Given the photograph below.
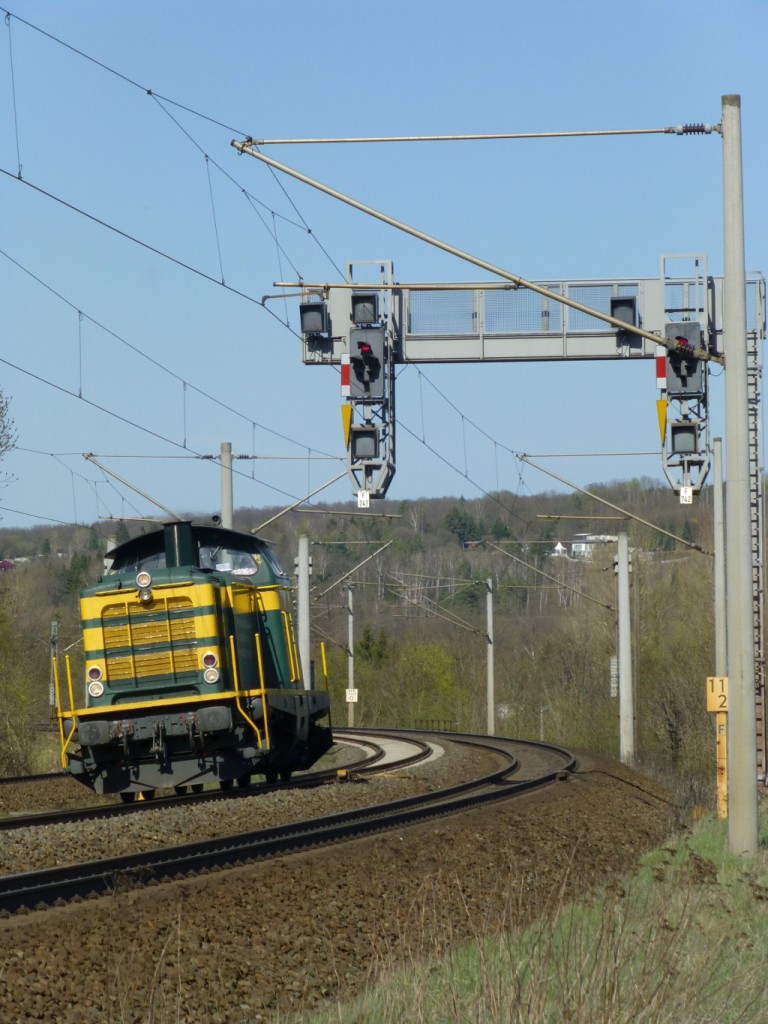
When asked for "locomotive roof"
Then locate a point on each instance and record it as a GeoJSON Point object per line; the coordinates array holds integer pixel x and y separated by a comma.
{"type": "Point", "coordinates": [203, 534]}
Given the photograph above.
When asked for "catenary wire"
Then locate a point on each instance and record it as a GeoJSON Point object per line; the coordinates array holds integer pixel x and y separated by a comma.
{"type": "Point", "coordinates": [152, 360]}
{"type": "Point", "coordinates": [145, 245]}
{"type": "Point", "coordinates": [158, 98]}
{"type": "Point", "coordinates": [131, 423]}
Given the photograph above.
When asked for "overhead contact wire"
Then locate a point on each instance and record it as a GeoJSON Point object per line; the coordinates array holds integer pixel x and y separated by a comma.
{"type": "Point", "coordinates": [13, 92]}
{"type": "Point", "coordinates": [147, 246]}
{"type": "Point", "coordinates": [151, 359]}
{"type": "Point", "coordinates": [213, 212]}
{"type": "Point", "coordinates": [456, 469]}
{"type": "Point", "coordinates": [251, 199]}
{"type": "Point", "coordinates": [130, 423]}
{"type": "Point", "coordinates": [161, 99]}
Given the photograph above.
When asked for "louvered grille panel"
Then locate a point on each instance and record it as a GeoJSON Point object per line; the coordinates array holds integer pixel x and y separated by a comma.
{"type": "Point", "coordinates": [164, 625]}
{"type": "Point", "coordinates": [120, 666]}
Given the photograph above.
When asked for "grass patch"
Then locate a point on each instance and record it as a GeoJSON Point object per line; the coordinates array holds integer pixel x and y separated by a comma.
{"type": "Point", "coordinates": [683, 941]}
{"type": "Point", "coordinates": [46, 753]}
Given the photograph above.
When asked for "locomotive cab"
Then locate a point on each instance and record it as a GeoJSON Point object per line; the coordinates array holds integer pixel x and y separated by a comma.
{"type": "Point", "coordinates": [191, 669]}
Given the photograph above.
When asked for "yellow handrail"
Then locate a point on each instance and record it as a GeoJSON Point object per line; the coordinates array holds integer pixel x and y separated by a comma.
{"type": "Point", "coordinates": [257, 639]}
{"type": "Point", "coordinates": [290, 643]}
{"type": "Point", "coordinates": [325, 664]}
{"type": "Point", "coordinates": [60, 714]}
{"type": "Point", "coordinates": [236, 683]}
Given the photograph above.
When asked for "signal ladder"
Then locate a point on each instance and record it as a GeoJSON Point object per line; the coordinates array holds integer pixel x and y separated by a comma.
{"type": "Point", "coordinates": [756, 512]}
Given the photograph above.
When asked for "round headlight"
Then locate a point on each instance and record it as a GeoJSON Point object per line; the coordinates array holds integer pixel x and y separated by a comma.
{"type": "Point", "coordinates": [95, 688]}
{"type": "Point", "coordinates": [143, 580]}
{"type": "Point", "coordinates": [145, 595]}
{"type": "Point", "coordinates": [94, 673]}
{"type": "Point", "coordinates": [210, 660]}
{"type": "Point", "coordinates": [211, 675]}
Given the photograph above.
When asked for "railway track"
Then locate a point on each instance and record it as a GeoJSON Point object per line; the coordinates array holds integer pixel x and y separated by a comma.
{"type": "Point", "coordinates": [373, 754]}
{"type": "Point", "coordinates": [10, 780]}
{"type": "Point", "coordinates": [527, 765]}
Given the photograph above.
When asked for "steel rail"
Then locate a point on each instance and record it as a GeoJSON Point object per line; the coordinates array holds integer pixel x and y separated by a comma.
{"type": "Point", "coordinates": [103, 811]}
{"type": "Point", "coordinates": [33, 890]}
{"type": "Point", "coordinates": [7, 780]}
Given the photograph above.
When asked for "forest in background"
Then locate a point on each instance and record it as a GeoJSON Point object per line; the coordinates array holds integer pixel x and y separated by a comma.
{"type": "Point", "coordinates": [420, 617]}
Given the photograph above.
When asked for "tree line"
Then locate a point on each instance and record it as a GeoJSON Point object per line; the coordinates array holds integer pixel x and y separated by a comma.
{"type": "Point", "coordinates": [420, 605]}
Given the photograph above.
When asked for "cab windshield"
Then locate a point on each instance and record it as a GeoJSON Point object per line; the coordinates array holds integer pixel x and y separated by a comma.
{"type": "Point", "coordinates": [238, 561]}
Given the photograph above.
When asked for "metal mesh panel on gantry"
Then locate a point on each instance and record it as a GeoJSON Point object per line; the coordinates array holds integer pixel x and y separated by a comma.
{"type": "Point", "coordinates": [442, 312]}
{"type": "Point", "coordinates": [521, 311]}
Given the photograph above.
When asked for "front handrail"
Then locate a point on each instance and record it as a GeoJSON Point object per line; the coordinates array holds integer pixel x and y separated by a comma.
{"type": "Point", "coordinates": [260, 662]}
{"type": "Point", "coordinates": [236, 682]}
{"type": "Point", "coordinates": [60, 715]}
{"type": "Point", "coordinates": [290, 643]}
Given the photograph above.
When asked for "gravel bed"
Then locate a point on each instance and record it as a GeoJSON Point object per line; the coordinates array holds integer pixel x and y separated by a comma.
{"type": "Point", "coordinates": [264, 942]}
{"type": "Point", "coordinates": [49, 846]}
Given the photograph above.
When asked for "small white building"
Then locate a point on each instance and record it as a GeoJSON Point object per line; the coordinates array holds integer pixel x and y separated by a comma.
{"type": "Point", "coordinates": [583, 544]}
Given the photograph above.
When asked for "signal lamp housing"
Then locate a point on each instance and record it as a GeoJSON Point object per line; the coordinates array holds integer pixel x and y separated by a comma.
{"type": "Point", "coordinates": [365, 308]}
{"type": "Point", "coordinates": [364, 442]}
{"type": "Point", "coordinates": [624, 308]}
{"type": "Point", "coordinates": [313, 317]}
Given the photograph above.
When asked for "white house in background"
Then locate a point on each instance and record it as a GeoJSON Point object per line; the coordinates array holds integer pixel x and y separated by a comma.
{"type": "Point", "coordinates": [583, 544]}
{"type": "Point", "coordinates": [560, 550]}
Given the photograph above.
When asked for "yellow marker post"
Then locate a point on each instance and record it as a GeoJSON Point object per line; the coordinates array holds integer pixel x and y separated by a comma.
{"type": "Point", "coordinates": [661, 412]}
{"type": "Point", "coordinates": [717, 704]}
{"type": "Point", "coordinates": [346, 422]}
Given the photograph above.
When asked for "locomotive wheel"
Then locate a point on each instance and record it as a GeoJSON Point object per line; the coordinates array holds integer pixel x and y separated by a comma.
{"type": "Point", "coordinates": [244, 781]}
{"type": "Point", "coordinates": [179, 790]}
{"type": "Point", "coordinates": [198, 787]}
{"type": "Point", "coordinates": [270, 776]}
{"type": "Point", "coordinates": [285, 774]}
{"type": "Point", "coordinates": [226, 784]}
{"type": "Point", "coordinates": [128, 797]}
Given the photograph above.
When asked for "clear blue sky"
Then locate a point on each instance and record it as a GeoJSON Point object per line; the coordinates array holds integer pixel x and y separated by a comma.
{"type": "Point", "coordinates": [224, 369]}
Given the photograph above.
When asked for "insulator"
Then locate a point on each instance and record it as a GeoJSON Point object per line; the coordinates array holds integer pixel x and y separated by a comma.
{"type": "Point", "coordinates": [693, 129]}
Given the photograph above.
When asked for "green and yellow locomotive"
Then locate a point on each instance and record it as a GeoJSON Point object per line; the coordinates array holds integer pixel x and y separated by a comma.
{"type": "Point", "coordinates": [191, 669]}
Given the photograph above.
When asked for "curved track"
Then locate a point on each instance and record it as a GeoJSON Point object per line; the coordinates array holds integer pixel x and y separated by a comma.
{"type": "Point", "coordinates": [372, 754]}
{"type": "Point", "coordinates": [528, 765]}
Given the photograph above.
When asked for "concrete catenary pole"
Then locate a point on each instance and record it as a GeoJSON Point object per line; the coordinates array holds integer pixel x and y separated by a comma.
{"type": "Point", "coordinates": [305, 643]}
{"type": "Point", "coordinates": [742, 729]}
{"type": "Point", "coordinates": [350, 657]}
{"type": "Point", "coordinates": [226, 485]}
{"type": "Point", "coordinates": [721, 632]}
{"type": "Point", "coordinates": [721, 648]}
{"type": "Point", "coordinates": [626, 688]}
{"type": "Point", "coordinates": [490, 686]}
